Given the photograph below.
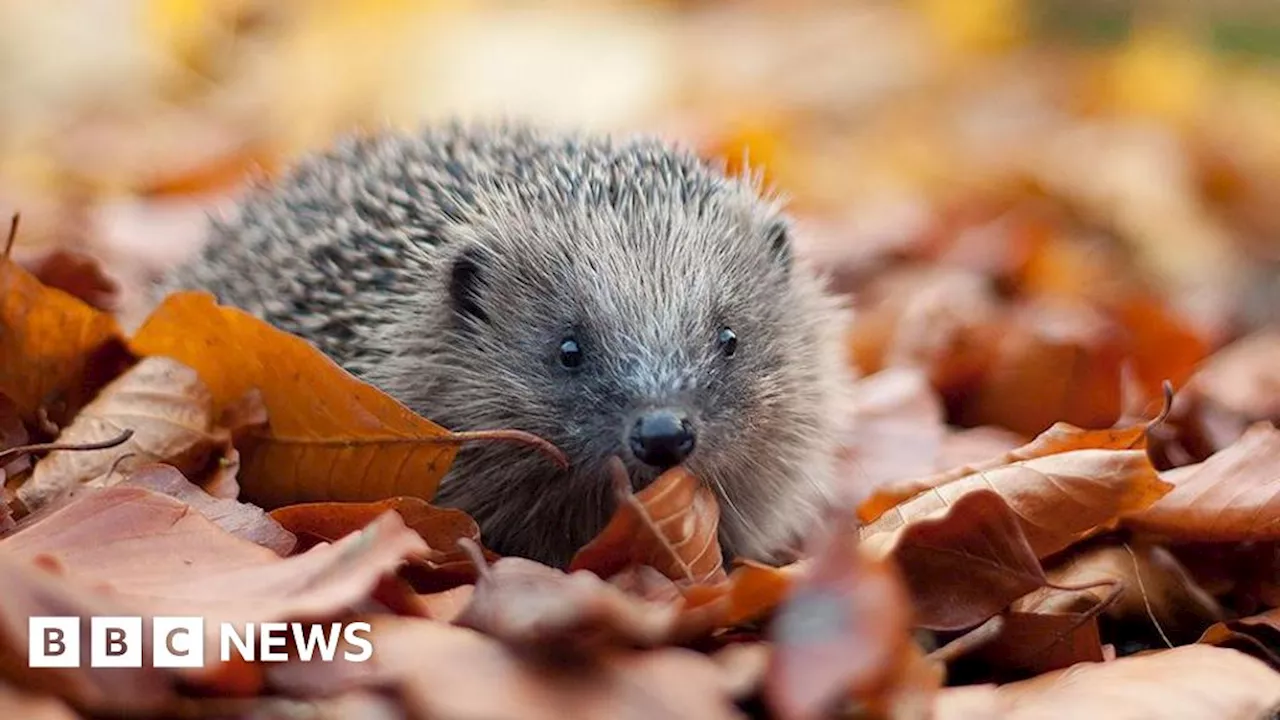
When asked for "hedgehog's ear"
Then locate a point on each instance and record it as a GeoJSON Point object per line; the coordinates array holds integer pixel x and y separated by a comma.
{"type": "Point", "coordinates": [466, 277]}
{"type": "Point", "coordinates": [778, 237]}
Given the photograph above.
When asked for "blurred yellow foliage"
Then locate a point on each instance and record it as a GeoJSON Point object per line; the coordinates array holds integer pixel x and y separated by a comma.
{"type": "Point", "coordinates": [1163, 74]}
{"type": "Point", "coordinates": [975, 26]}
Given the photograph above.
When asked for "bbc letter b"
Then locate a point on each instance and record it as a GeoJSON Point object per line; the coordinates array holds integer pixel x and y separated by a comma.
{"type": "Point", "coordinates": [53, 642]}
{"type": "Point", "coordinates": [116, 642]}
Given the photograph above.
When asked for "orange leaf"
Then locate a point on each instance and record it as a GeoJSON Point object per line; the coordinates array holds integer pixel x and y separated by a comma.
{"type": "Point", "coordinates": [670, 525]}
{"type": "Point", "coordinates": [1231, 497]}
{"type": "Point", "coordinates": [1059, 499]}
{"type": "Point", "coordinates": [57, 351]}
{"type": "Point", "coordinates": [756, 589]}
{"type": "Point", "coordinates": [964, 562]}
{"type": "Point", "coordinates": [444, 565]}
{"type": "Point", "coordinates": [1052, 362]}
{"type": "Point", "coordinates": [1060, 438]}
{"type": "Point", "coordinates": [331, 437]}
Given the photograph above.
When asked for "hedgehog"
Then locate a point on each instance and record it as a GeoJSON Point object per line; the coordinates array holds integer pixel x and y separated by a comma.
{"type": "Point", "coordinates": [618, 296]}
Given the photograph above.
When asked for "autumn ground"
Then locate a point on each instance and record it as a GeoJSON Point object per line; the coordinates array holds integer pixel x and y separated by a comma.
{"type": "Point", "coordinates": [1063, 476]}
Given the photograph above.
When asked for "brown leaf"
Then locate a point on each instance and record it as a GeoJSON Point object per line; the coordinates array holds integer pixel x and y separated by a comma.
{"type": "Point", "coordinates": [964, 562]}
{"type": "Point", "coordinates": [671, 526]}
{"type": "Point", "coordinates": [540, 609]}
{"type": "Point", "coordinates": [1154, 595]}
{"type": "Point", "coordinates": [1052, 363]}
{"type": "Point", "coordinates": [896, 430]}
{"type": "Point", "coordinates": [452, 672]}
{"type": "Point", "coordinates": [167, 408]}
{"type": "Point", "coordinates": [939, 320]}
{"type": "Point", "coordinates": [76, 274]}
{"type": "Point", "coordinates": [1243, 379]}
{"type": "Point", "coordinates": [971, 446]}
{"type": "Point", "coordinates": [843, 632]}
{"type": "Point", "coordinates": [1233, 496]}
{"type": "Point", "coordinates": [248, 522]}
{"type": "Point", "coordinates": [151, 555]}
{"type": "Point", "coordinates": [1258, 635]}
{"type": "Point", "coordinates": [1210, 683]}
{"type": "Point", "coordinates": [331, 437]}
{"type": "Point", "coordinates": [1163, 346]}
{"type": "Point", "coordinates": [1059, 499]}
{"type": "Point", "coordinates": [442, 565]}
{"type": "Point", "coordinates": [1040, 642]}
{"type": "Point", "coordinates": [57, 350]}
{"type": "Point", "coordinates": [1060, 438]}
{"type": "Point", "coordinates": [446, 604]}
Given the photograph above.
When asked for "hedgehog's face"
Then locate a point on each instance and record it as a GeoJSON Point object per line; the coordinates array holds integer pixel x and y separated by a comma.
{"type": "Point", "coordinates": [660, 337]}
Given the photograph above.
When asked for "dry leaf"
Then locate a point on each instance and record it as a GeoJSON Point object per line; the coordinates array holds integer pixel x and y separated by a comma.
{"type": "Point", "coordinates": [444, 565]}
{"type": "Point", "coordinates": [57, 350]}
{"type": "Point", "coordinates": [1040, 642]}
{"type": "Point", "coordinates": [157, 557]}
{"type": "Point", "coordinates": [446, 604]}
{"type": "Point", "coordinates": [447, 671]}
{"type": "Point", "coordinates": [245, 521]}
{"type": "Point", "coordinates": [1243, 379]}
{"type": "Point", "coordinates": [1154, 595]}
{"type": "Point", "coordinates": [1052, 363]}
{"type": "Point", "coordinates": [76, 274]}
{"type": "Point", "coordinates": [671, 525]}
{"type": "Point", "coordinates": [1210, 683]}
{"type": "Point", "coordinates": [169, 412]}
{"type": "Point", "coordinates": [1230, 497]}
{"type": "Point", "coordinates": [331, 437]}
{"type": "Point", "coordinates": [756, 589]}
{"type": "Point", "coordinates": [842, 634]}
{"type": "Point", "coordinates": [897, 430]}
{"type": "Point", "coordinates": [1060, 438]}
{"type": "Point", "coordinates": [1258, 635]}
{"type": "Point", "coordinates": [1059, 499]}
{"type": "Point", "coordinates": [939, 320]}
{"type": "Point", "coordinates": [964, 562]}
{"type": "Point", "coordinates": [540, 609]}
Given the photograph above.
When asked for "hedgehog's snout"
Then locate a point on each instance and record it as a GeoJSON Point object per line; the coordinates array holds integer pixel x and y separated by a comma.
{"type": "Point", "coordinates": [662, 438]}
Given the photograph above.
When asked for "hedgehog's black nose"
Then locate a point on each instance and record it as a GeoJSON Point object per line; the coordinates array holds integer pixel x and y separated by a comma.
{"type": "Point", "coordinates": [662, 438]}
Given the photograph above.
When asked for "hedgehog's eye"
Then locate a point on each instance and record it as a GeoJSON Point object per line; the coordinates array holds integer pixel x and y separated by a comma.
{"type": "Point", "coordinates": [570, 353]}
{"type": "Point", "coordinates": [728, 342]}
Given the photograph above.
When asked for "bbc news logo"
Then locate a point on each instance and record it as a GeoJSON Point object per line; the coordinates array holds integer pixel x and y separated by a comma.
{"type": "Point", "coordinates": [178, 642]}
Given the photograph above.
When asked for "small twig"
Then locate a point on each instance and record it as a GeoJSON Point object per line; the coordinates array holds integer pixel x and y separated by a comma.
{"type": "Point", "coordinates": [1142, 590]}
{"type": "Point", "coordinates": [1158, 420]}
{"type": "Point", "coordinates": [13, 236]}
{"type": "Point", "coordinates": [519, 437]}
{"type": "Point", "coordinates": [14, 452]}
{"type": "Point", "coordinates": [473, 552]}
{"type": "Point", "coordinates": [976, 638]}
{"type": "Point", "coordinates": [115, 464]}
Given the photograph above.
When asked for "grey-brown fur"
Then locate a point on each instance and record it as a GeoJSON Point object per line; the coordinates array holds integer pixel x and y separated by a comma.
{"type": "Point", "coordinates": [641, 250]}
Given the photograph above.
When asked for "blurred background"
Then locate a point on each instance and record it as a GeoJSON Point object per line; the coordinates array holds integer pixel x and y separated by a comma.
{"type": "Point", "coordinates": [1120, 153]}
